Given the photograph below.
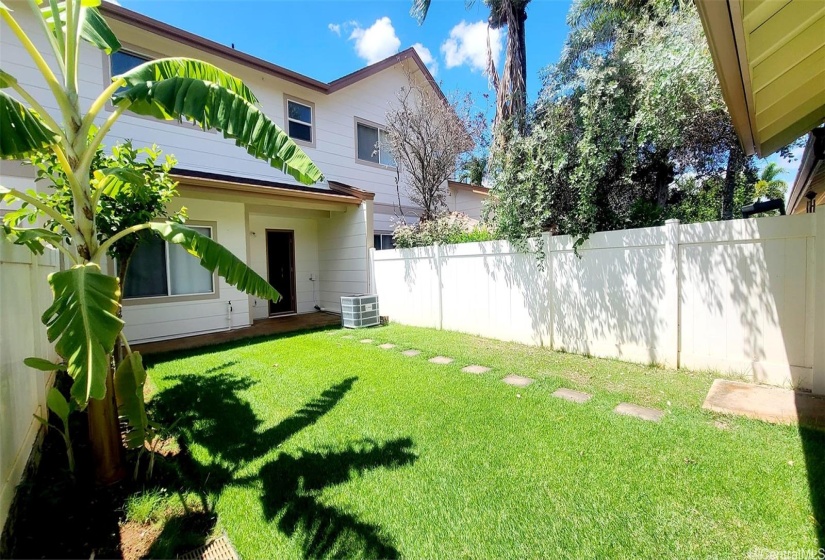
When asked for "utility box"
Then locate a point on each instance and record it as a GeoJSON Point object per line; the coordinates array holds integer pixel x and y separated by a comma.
{"type": "Point", "coordinates": [359, 311]}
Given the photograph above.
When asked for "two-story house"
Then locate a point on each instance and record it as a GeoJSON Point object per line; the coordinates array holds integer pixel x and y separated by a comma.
{"type": "Point", "coordinates": [311, 243]}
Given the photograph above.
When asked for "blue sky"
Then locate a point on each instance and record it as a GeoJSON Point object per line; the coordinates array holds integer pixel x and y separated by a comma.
{"type": "Point", "coordinates": [326, 39]}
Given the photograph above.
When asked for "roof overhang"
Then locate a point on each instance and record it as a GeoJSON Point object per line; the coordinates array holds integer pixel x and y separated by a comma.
{"type": "Point", "coordinates": [211, 185]}
{"type": "Point", "coordinates": [475, 189]}
{"type": "Point", "coordinates": [770, 59]}
{"type": "Point", "coordinates": [810, 178]}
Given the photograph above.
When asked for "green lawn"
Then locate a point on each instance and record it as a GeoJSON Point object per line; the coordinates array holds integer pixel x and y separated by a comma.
{"type": "Point", "coordinates": [319, 445]}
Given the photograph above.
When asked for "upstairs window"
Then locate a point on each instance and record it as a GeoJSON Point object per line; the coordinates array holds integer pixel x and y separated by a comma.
{"type": "Point", "coordinates": [372, 144]}
{"type": "Point", "coordinates": [299, 120]}
{"type": "Point", "coordinates": [123, 61]}
{"type": "Point", "coordinates": [159, 269]}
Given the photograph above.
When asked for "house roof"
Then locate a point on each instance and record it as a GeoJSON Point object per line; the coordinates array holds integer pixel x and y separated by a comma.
{"type": "Point", "coordinates": [811, 175]}
{"type": "Point", "coordinates": [201, 43]}
{"type": "Point", "coordinates": [337, 192]}
{"type": "Point", "coordinates": [770, 59]}
{"type": "Point", "coordinates": [477, 189]}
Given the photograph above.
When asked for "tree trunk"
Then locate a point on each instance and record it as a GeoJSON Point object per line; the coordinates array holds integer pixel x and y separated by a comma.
{"type": "Point", "coordinates": [736, 162]}
{"type": "Point", "coordinates": [104, 429]}
{"type": "Point", "coordinates": [104, 436]}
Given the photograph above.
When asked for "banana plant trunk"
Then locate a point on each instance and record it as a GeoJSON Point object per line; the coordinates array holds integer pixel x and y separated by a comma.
{"type": "Point", "coordinates": [104, 436]}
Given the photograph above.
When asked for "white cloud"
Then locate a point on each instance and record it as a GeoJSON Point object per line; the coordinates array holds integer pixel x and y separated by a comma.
{"type": "Point", "coordinates": [467, 44]}
{"type": "Point", "coordinates": [335, 28]}
{"type": "Point", "coordinates": [426, 58]}
{"type": "Point", "coordinates": [377, 41]}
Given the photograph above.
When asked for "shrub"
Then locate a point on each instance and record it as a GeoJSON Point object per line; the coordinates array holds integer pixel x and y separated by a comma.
{"type": "Point", "coordinates": [446, 230]}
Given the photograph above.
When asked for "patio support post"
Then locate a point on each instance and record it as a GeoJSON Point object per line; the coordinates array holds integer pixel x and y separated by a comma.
{"type": "Point", "coordinates": [670, 273]}
{"type": "Point", "coordinates": [818, 374]}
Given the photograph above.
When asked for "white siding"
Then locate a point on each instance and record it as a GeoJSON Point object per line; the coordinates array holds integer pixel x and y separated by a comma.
{"type": "Point", "coordinates": [335, 114]}
{"type": "Point", "coordinates": [306, 258]}
{"type": "Point", "coordinates": [147, 321]}
{"type": "Point", "coordinates": [467, 202]}
{"type": "Point", "coordinates": [343, 242]}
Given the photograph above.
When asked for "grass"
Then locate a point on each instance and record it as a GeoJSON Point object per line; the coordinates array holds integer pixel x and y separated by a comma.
{"type": "Point", "coordinates": [319, 445]}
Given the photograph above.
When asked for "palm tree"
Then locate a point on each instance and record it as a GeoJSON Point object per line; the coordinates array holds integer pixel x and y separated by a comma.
{"type": "Point", "coordinates": [84, 321]}
{"type": "Point", "coordinates": [768, 186]}
{"type": "Point", "coordinates": [511, 90]}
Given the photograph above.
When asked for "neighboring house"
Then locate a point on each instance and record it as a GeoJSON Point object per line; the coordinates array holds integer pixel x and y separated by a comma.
{"type": "Point", "coordinates": [466, 198]}
{"type": "Point", "coordinates": [808, 189]}
{"type": "Point", "coordinates": [312, 243]}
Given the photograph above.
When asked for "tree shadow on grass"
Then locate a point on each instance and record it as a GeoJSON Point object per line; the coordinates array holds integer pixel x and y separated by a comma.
{"type": "Point", "coordinates": [292, 486]}
{"type": "Point", "coordinates": [216, 417]}
{"type": "Point", "coordinates": [813, 447]}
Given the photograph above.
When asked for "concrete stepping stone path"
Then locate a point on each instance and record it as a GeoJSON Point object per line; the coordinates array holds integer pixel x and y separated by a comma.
{"type": "Point", "coordinates": [366, 341]}
{"type": "Point", "coordinates": [572, 396]}
{"type": "Point", "coordinates": [443, 360]}
{"type": "Point", "coordinates": [387, 346]}
{"type": "Point", "coordinates": [411, 352]}
{"type": "Point", "coordinates": [640, 412]}
{"type": "Point", "coordinates": [518, 380]}
{"type": "Point", "coordinates": [478, 370]}
{"type": "Point", "coordinates": [348, 336]}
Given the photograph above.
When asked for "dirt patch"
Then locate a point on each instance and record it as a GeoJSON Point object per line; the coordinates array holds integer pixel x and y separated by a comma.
{"type": "Point", "coordinates": [136, 539]}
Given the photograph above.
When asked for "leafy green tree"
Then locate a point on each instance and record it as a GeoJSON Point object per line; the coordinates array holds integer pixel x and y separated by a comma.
{"type": "Point", "coordinates": [768, 186]}
{"type": "Point", "coordinates": [633, 104]}
{"type": "Point", "coordinates": [83, 320]}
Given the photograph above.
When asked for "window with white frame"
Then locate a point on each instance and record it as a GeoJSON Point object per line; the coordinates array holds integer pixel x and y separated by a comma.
{"type": "Point", "coordinates": [383, 241]}
{"type": "Point", "coordinates": [299, 119]}
{"type": "Point", "coordinates": [372, 144]}
{"type": "Point", "coordinates": [159, 269]}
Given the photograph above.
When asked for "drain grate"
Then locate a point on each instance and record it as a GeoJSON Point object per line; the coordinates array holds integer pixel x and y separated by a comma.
{"type": "Point", "coordinates": [219, 549]}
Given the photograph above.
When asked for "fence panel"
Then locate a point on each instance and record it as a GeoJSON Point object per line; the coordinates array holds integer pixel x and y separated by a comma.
{"type": "Point", "coordinates": [24, 295]}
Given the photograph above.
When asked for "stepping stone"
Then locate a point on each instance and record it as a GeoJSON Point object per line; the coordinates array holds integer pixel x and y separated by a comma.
{"type": "Point", "coordinates": [475, 369]}
{"type": "Point", "coordinates": [440, 360]}
{"type": "Point", "coordinates": [411, 352]}
{"type": "Point", "coordinates": [641, 412]}
{"type": "Point", "coordinates": [366, 341]}
{"type": "Point", "coordinates": [518, 380]}
{"type": "Point", "coordinates": [387, 346]}
{"type": "Point", "coordinates": [572, 396]}
{"type": "Point", "coordinates": [347, 336]}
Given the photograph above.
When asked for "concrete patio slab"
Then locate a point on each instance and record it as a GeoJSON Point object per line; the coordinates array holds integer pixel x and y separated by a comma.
{"type": "Point", "coordinates": [475, 369]}
{"type": "Point", "coordinates": [641, 412]}
{"type": "Point", "coordinates": [366, 341]}
{"type": "Point", "coordinates": [411, 352]}
{"type": "Point", "coordinates": [518, 380]}
{"type": "Point", "coordinates": [771, 404]}
{"type": "Point", "coordinates": [572, 396]}
{"type": "Point", "coordinates": [387, 346]}
{"type": "Point", "coordinates": [443, 360]}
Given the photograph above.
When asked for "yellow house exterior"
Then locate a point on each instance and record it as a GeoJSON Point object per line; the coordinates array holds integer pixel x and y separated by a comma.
{"type": "Point", "coordinates": [770, 58]}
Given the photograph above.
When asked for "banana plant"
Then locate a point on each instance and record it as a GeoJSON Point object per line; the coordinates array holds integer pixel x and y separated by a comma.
{"type": "Point", "coordinates": [84, 320]}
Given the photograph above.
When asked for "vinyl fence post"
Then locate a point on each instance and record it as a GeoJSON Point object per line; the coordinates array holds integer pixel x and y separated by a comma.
{"type": "Point", "coordinates": [818, 374]}
{"type": "Point", "coordinates": [439, 292]}
{"type": "Point", "coordinates": [670, 273]}
{"type": "Point", "coordinates": [547, 239]}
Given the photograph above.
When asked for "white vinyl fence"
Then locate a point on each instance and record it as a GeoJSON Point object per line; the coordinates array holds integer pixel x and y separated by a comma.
{"type": "Point", "coordinates": [24, 295]}
{"type": "Point", "coordinates": [743, 296]}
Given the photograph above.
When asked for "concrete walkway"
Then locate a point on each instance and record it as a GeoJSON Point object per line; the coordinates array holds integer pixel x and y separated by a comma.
{"type": "Point", "coordinates": [771, 404]}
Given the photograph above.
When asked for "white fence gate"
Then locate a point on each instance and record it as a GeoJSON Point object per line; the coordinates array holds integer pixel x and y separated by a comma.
{"type": "Point", "coordinates": [743, 296]}
{"type": "Point", "coordinates": [24, 295]}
